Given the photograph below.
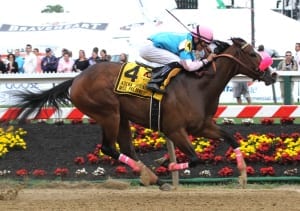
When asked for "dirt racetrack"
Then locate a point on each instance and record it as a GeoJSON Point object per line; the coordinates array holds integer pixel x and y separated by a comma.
{"type": "Point", "coordinates": [135, 198]}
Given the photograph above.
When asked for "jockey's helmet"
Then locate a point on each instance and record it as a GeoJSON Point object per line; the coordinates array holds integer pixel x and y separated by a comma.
{"type": "Point", "coordinates": [203, 32]}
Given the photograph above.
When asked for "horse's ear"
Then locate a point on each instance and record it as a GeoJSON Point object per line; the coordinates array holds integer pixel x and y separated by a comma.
{"type": "Point", "coordinates": [234, 40]}
{"type": "Point", "coordinates": [238, 41]}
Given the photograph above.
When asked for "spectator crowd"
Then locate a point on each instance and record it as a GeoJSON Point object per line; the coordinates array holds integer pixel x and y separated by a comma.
{"type": "Point", "coordinates": [33, 61]}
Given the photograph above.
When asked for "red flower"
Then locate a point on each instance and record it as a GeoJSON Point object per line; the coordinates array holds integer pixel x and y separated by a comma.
{"type": "Point", "coordinates": [250, 170]}
{"type": "Point", "coordinates": [264, 147]}
{"type": "Point", "coordinates": [181, 157]}
{"type": "Point", "coordinates": [225, 172]}
{"type": "Point", "coordinates": [206, 156]}
{"type": "Point", "coordinates": [267, 121]}
{"type": "Point", "coordinates": [161, 171]}
{"type": "Point", "coordinates": [92, 158]}
{"type": "Point", "coordinates": [287, 120]}
{"type": "Point", "coordinates": [271, 135]}
{"type": "Point", "coordinates": [97, 149]}
{"type": "Point", "coordinates": [297, 157]}
{"type": "Point", "coordinates": [218, 159]}
{"type": "Point", "coordinates": [22, 172]}
{"type": "Point", "coordinates": [253, 157]}
{"type": "Point", "coordinates": [76, 121]}
{"type": "Point", "coordinates": [228, 155]}
{"type": "Point", "coordinates": [238, 136]}
{"type": "Point", "coordinates": [39, 172]}
{"type": "Point", "coordinates": [269, 159]}
{"type": "Point", "coordinates": [121, 170]}
{"type": "Point", "coordinates": [61, 172]}
{"type": "Point", "coordinates": [79, 160]}
{"type": "Point", "coordinates": [267, 171]}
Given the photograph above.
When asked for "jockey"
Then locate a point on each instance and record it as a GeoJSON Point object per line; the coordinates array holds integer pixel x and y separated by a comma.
{"type": "Point", "coordinates": [176, 50]}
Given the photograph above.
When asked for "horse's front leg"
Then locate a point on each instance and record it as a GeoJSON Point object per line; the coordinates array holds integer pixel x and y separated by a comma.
{"type": "Point", "coordinates": [181, 141]}
{"type": "Point", "coordinates": [211, 130]}
{"type": "Point", "coordinates": [241, 164]}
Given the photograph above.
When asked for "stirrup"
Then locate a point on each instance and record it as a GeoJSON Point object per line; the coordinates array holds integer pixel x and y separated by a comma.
{"type": "Point", "coordinates": [155, 88]}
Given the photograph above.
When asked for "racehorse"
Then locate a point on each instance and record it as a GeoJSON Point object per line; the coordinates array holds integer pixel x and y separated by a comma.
{"type": "Point", "coordinates": [188, 107]}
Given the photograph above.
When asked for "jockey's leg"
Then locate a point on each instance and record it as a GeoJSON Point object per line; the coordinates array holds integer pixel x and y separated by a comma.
{"type": "Point", "coordinates": [159, 75]}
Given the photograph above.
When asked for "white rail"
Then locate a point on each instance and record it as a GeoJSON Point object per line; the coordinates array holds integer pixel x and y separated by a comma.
{"type": "Point", "coordinates": [37, 77]}
{"type": "Point", "coordinates": [60, 77]}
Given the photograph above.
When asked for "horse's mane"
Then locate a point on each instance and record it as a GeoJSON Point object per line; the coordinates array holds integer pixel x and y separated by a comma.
{"type": "Point", "coordinates": [221, 46]}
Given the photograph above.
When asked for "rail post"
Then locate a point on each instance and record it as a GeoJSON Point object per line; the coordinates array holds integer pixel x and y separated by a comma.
{"type": "Point", "coordinates": [287, 90]}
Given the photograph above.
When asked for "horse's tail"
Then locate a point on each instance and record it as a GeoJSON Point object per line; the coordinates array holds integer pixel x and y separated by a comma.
{"type": "Point", "coordinates": [29, 102]}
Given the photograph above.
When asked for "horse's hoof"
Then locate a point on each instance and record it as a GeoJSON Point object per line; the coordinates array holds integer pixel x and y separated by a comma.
{"type": "Point", "coordinates": [145, 177]}
{"type": "Point", "coordinates": [166, 187]}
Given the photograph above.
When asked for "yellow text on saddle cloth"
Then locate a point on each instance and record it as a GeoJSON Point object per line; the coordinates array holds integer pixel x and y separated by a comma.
{"type": "Point", "coordinates": [133, 79]}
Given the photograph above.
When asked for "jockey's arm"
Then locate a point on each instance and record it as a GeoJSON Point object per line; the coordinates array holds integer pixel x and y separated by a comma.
{"type": "Point", "coordinates": [190, 65]}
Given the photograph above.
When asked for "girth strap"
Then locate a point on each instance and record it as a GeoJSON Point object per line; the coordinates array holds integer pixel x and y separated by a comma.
{"type": "Point", "coordinates": [154, 116]}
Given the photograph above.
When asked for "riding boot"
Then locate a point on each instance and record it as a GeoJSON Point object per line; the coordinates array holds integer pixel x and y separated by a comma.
{"type": "Point", "coordinates": [159, 75]}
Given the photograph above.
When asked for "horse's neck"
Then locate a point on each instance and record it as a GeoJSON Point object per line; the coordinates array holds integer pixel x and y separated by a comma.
{"type": "Point", "coordinates": [223, 74]}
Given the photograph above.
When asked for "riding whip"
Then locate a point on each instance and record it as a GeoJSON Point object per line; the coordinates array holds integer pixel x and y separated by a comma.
{"type": "Point", "coordinates": [178, 20]}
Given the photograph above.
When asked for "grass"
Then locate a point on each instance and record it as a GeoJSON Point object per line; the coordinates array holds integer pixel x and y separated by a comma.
{"type": "Point", "coordinates": [257, 120]}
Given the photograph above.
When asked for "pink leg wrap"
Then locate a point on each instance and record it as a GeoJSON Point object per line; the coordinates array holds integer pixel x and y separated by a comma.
{"type": "Point", "coordinates": [178, 166]}
{"type": "Point", "coordinates": [130, 162]}
{"type": "Point", "coordinates": [239, 158]}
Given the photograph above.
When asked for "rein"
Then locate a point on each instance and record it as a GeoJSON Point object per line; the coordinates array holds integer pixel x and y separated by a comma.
{"type": "Point", "coordinates": [235, 59]}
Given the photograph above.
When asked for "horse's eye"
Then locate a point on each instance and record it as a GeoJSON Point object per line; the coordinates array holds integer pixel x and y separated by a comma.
{"type": "Point", "coordinates": [253, 54]}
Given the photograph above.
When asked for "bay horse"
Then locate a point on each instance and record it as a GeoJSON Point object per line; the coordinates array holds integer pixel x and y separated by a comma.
{"type": "Point", "coordinates": [188, 107]}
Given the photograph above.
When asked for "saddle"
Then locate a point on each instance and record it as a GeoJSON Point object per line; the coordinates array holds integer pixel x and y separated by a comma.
{"type": "Point", "coordinates": [134, 77]}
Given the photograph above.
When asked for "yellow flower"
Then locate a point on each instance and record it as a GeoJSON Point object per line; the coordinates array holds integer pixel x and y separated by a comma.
{"type": "Point", "coordinates": [11, 138]}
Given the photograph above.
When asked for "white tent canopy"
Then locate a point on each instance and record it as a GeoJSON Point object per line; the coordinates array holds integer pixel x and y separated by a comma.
{"type": "Point", "coordinates": [125, 31]}
{"type": "Point", "coordinates": [272, 29]}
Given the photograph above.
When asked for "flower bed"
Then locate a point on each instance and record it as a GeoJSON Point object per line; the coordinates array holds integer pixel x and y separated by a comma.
{"type": "Point", "coordinates": [72, 152]}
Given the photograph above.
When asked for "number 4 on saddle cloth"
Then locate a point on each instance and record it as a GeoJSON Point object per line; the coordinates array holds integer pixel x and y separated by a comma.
{"type": "Point", "coordinates": [133, 79]}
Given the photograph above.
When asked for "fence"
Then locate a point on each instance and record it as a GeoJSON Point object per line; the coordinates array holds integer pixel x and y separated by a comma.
{"type": "Point", "coordinates": [250, 111]}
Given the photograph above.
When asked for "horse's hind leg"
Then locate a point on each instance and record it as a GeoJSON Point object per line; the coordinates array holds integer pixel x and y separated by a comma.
{"type": "Point", "coordinates": [126, 147]}
{"type": "Point", "coordinates": [110, 127]}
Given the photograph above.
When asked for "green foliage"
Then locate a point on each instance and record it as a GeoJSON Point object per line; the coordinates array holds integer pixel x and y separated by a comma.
{"type": "Point", "coordinates": [53, 9]}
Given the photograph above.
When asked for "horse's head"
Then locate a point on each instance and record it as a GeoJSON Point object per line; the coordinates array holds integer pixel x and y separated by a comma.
{"type": "Point", "coordinates": [252, 64]}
